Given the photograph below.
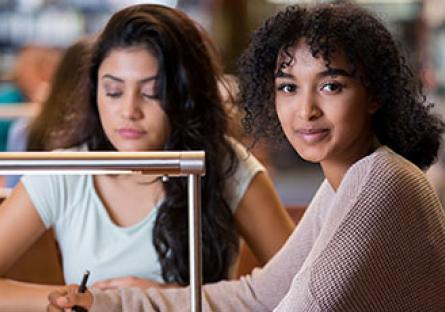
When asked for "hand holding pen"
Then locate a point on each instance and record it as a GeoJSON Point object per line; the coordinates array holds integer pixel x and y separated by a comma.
{"type": "Point", "coordinates": [82, 289]}
{"type": "Point", "coordinates": [73, 297]}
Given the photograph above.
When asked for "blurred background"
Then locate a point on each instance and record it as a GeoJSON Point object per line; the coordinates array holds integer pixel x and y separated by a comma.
{"type": "Point", "coordinates": [33, 33]}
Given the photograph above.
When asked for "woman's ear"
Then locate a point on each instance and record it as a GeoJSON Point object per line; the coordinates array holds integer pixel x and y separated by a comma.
{"type": "Point", "coordinates": [373, 107]}
{"type": "Point", "coordinates": [373, 104]}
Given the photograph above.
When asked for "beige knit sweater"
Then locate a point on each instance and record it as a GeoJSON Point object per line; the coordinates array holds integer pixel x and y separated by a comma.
{"type": "Point", "coordinates": [376, 244]}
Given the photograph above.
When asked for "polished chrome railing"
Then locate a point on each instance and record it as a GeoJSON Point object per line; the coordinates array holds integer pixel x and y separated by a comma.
{"type": "Point", "coordinates": [190, 164]}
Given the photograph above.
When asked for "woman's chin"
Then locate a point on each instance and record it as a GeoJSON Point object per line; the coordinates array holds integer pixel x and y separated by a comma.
{"type": "Point", "coordinates": [311, 159]}
{"type": "Point", "coordinates": [127, 148]}
{"type": "Point", "coordinates": [310, 156]}
{"type": "Point", "coordinates": [130, 146]}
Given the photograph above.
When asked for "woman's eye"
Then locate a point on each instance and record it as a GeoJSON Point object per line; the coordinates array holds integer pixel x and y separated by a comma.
{"type": "Point", "coordinates": [287, 88]}
{"type": "Point", "coordinates": [113, 94]}
{"type": "Point", "coordinates": [332, 87]}
{"type": "Point", "coordinates": [150, 96]}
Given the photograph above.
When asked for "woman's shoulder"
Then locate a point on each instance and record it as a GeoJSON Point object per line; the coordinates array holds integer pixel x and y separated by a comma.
{"type": "Point", "coordinates": [242, 153]}
{"type": "Point", "coordinates": [60, 181]}
{"type": "Point", "coordinates": [386, 165]}
{"type": "Point", "coordinates": [239, 149]}
{"type": "Point", "coordinates": [386, 177]}
{"type": "Point", "coordinates": [247, 164]}
{"type": "Point", "coordinates": [242, 175]}
{"type": "Point", "coordinates": [389, 180]}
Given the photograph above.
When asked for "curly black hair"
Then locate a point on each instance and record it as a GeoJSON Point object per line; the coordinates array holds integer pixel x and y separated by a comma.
{"type": "Point", "coordinates": [404, 121]}
{"type": "Point", "coordinates": [188, 91]}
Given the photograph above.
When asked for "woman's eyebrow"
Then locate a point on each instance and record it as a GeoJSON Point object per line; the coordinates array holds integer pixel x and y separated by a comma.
{"type": "Point", "coordinates": [148, 79]}
{"type": "Point", "coordinates": [282, 74]}
{"type": "Point", "coordinates": [108, 76]}
{"type": "Point", "coordinates": [328, 72]}
{"type": "Point", "coordinates": [334, 72]}
{"type": "Point", "coordinates": [143, 80]}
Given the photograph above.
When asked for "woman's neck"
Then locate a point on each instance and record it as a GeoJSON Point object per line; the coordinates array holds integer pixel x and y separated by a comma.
{"type": "Point", "coordinates": [127, 198]}
{"type": "Point", "coordinates": [335, 169]}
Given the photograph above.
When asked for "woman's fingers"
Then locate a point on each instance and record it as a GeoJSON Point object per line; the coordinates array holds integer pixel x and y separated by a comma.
{"type": "Point", "coordinates": [67, 298]}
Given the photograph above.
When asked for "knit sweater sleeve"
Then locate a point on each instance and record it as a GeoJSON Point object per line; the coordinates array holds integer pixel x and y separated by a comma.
{"type": "Point", "coordinates": [261, 291]}
{"type": "Point", "coordinates": [379, 246]}
{"type": "Point", "coordinates": [388, 251]}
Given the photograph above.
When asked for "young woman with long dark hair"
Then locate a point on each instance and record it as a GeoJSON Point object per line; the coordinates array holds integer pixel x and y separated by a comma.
{"type": "Point", "coordinates": [153, 86]}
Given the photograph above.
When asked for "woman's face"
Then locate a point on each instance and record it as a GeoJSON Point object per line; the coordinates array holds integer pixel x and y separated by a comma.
{"type": "Point", "coordinates": [325, 114]}
{"type": "Point", "coordinates": [129, 108]}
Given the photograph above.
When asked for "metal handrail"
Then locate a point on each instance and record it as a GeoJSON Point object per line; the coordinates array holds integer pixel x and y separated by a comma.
{"type": "Point", "coordinates": [190, 164]}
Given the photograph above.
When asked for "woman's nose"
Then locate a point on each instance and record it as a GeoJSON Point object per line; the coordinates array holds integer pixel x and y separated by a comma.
{"type": "Point", "coordinates": [131, 108]}
{"type": "Point", "coordinates": [308, 108]}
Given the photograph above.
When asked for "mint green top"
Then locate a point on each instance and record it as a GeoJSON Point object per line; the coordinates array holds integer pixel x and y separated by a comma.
{"type": "Point", "coordinates": [89, 239]}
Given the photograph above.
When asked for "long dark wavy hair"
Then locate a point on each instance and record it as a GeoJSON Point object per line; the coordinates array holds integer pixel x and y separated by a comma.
{"type": "Point", "coordinates": [188, 91]}
{"type": "Point", "coordinates": [404, 121]}
{"type": "Point", "coordinates": [64, 111]}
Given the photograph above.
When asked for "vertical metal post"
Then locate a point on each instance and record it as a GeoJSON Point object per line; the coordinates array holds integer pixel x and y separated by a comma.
{"type": "Point", "coordinates": [195, 254]}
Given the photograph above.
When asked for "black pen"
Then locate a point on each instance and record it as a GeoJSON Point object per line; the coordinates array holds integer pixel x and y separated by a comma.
{"type": "Point", "coordinates": [82, 289]}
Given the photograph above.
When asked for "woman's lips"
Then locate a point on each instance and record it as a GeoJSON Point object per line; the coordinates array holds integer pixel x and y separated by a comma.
{"type": "Point", "coordinates": [131, 134]}
{"type": "Point", "coordinates": [312, 135]}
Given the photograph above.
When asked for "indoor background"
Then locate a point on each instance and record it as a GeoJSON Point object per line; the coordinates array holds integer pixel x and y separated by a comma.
{"type": "Point", "coordinates": [419, 26]}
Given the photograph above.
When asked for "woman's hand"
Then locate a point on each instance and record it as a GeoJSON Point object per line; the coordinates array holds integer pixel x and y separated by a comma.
{"type": "Point", "coordinates": [129, 281]}
{"type": "Point", "coordinates": [68, 297]}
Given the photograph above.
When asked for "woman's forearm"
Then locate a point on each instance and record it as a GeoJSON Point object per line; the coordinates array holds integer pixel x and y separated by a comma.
{"type": "Point", "coordinates": [221, 297]}
{"type": "Point", "coordinates": [23, 297]}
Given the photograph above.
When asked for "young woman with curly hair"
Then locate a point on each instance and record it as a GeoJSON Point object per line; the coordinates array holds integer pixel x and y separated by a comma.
{"type": "Point", "coordinates": [373, 237]}
{"type": "Point", "coordinates": [153, 86]}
